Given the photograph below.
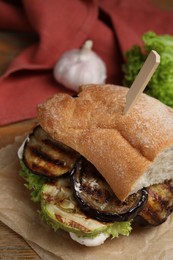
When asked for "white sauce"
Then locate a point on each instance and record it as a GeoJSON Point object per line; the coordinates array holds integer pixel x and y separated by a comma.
{"type": "Point", "coordinates": [21, 148]}
{"type": "Point", "coordinates": [96, 241]}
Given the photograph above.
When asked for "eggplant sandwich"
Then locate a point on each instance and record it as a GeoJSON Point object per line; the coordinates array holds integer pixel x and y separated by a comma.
{"type": "Point", "coordinates": [94, 170]}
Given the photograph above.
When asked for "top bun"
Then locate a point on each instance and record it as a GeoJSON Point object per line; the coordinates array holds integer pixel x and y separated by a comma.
{"type": "Point", "coordinates": [131, 151]}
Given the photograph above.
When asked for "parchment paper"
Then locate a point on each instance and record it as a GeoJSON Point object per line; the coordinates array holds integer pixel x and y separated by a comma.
{"type": "Point", "coordinates": [43, 254]}
{"type": "Point", "coordinates": [19, 213]}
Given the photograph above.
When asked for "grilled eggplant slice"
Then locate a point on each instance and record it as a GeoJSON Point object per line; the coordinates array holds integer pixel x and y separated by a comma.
{"type": "Point", "coordinates": [42, 155]}
{"type": "Point", "coordinates": [97, 199]}
{"type": "Point", "coordinates": [159, 204]}
{"type": "Point", "coordinates": [60, 209]}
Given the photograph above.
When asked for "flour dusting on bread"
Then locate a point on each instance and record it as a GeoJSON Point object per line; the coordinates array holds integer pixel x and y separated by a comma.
{"type": "Point", "coordinates": [131, 151]}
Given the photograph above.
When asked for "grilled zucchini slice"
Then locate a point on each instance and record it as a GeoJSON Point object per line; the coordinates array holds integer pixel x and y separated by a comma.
{"type": "Point", "coordinates": [42, 155]}
{"type": "Point", "coordinates": [96, 198]}
{"type": "Point", "coordinates": [60, 210]}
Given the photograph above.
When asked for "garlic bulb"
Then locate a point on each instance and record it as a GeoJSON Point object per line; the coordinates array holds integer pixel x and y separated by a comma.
{"type": "Point", "coordinates": [80, 66]}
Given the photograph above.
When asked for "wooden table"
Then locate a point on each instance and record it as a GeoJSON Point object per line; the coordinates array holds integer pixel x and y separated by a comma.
{"type": "Point", "coordinates": [12, 246]}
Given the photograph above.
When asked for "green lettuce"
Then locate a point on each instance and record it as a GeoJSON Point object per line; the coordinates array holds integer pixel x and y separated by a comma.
{"type": "Point", "coordinates": [33, 182]}
{"type": "Point", "coordinates": [161, 83]}
{"type": "Point", "coordinates": [119, 228]}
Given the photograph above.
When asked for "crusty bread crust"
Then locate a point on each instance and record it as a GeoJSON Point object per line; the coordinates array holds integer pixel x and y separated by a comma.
{"type": "Point", "coordinates": [122, 147]}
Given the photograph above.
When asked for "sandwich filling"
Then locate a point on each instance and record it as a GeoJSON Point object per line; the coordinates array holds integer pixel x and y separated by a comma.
{"type": "Point", "coordinates": [75, 197]}
{"type": "Point", "coordinates": [48, 179]}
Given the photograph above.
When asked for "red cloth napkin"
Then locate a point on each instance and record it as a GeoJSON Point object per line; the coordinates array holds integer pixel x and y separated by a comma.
{"type": "Point", "coordinates": [113, 25]}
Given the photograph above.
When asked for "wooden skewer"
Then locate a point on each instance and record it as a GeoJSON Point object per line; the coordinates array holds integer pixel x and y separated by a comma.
{"type": "Point", "coordinates": [141, 80]}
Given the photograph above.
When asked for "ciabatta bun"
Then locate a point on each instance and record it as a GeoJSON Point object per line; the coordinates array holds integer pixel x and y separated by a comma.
{"type": "Point", "coordinates": [131, 151]}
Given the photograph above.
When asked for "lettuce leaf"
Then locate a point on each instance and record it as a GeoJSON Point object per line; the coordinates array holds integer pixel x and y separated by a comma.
{"type": "Point", "coordinates": [161, 83]}
{"type": "Point", "coordinates": [119, 228]}
{"type": "Point", "coordinates": [33, 182]}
